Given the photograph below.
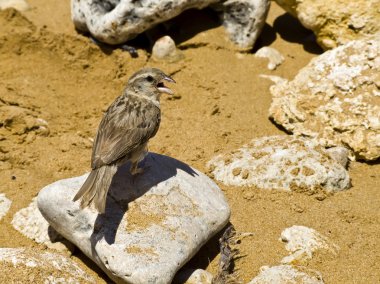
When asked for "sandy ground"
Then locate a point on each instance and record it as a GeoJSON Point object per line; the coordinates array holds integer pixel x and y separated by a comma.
{"type": "Point", "coordinates": [48, 71]}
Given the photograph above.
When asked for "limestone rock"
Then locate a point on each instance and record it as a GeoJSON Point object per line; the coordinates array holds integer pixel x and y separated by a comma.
{"type": "Point", "coordinates": [191, 276]}
{"type": "Point", "coordinates": [281, 162]}
{"type": "Point", "coordinates": [5, 204]}
{"type": "Point", "coordinates": [40, 267]}
{"type": "Point", "coordinates": [116, 21]}
{"type": "Point", "coordinates": [274, 56]}
{"type": "Point", "coordinates": [244, 20]}
{"type": "Point", "coordinates": [336, 22]}
{"type": "Point", "coordinates": [153, 223]}
{"type": "Point", "coordinates": [287, 274]}
{"type": "Point", "coordinates": [29, 222]}
{"type": "Point", "coordinates": [20, 5]}
{"type": "Point", "coordinates": [164, 49]}
{"type": "Point", "coordinates": [302, 242]}
{"type": "Point", "coordinates": [335, 98]}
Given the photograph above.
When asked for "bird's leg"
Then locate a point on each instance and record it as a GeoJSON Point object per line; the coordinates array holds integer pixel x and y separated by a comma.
{"type": "Point", "coordinates": [135, 170]}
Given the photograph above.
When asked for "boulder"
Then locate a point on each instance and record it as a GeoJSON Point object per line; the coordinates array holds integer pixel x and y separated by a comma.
{"type": "Point", "coordinates": [336, 22]}
{"type": "Point", "coordinates": [281, 162]}
{"type": "Point", "coordinates": [116, 21]}
{"type": "Point", "coordinates": [152, 225]}
{"type": "Point", "coordinates": [335, 98]}
{"type": "Point", "coordinates": [244, 20]}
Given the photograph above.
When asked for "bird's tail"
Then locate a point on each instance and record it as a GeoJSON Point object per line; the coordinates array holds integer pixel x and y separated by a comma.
{"type": "Point", "coordinates": [95, 188]}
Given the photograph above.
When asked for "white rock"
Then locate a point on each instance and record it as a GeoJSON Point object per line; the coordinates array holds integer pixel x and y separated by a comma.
{"type": "Point", "coordinates": [339, 154]}
{"type": "Point", "coordinates": [287, 274]}
{"type": "Point", "coordinates": [5, 204]}
{"type": "Point", "coordinates": [50, 267]}
{"type": "Point", "coordinates": [164, 49]}
{"type": "Point", "coordinates": [302, 242]}
{"type": "Point", "coordinates": [336, 22]}
{"type": "Point", "coordinates": [29, 222]}
{"type": "Point", "coordinates": [191, 276]}
{"type": "Point", "coordinates": [153, 223]}
{"type": "Point", "coordinates": [115, 22]}
{"type": "Point", "coordinates": [244, 20]}
{"type": "Point", "coordinates": [275, 79]}
{"type": "Point", "coordinates": [274, 56]}
{"type": "Point", "coordinates": [20, 5]}
{"type": "Point", "coordinates": [281, 162]}
{"type": "Point", "coordinates": [334, 98]}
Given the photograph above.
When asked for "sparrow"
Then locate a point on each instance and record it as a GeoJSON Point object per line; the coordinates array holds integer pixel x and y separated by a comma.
{"type": "Point", "coordinates": [123, 134]}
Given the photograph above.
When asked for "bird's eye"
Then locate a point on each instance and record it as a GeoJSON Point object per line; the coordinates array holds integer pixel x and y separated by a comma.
{"type": "Point", "coordinates": [150, 79]}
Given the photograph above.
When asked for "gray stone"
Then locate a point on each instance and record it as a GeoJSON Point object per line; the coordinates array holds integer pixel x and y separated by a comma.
{"type": "Point", "coordinates": [153, 223]}
{"type": "Point", "coordinates": [274, 56]}
{"type": "Point", "coordinates": [116, 21]}
{"type": "Point", "coordinates": [5, 204]}
{"type": "Point", "coordinates": [29, 222]}
{"type": "Point", "coordinates": [193, 276]}
{"type": "Point", "coordinates": [339, 154]}
{"type": "Point", "coordinates": [336, 99]}
{"type": "Point", "coordinates": [302, 242]}
{"type": "Point", "coordinates": [49, 267]}
{"type": "Point", "coordinates": [164, 49]}
{"type": "Point", "coordinates": [281, 162]}
{"type": "Point", "coordinates": [287, 274]}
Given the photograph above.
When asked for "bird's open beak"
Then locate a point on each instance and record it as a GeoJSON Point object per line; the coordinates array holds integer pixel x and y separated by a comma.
{"type": "Point", "coordinates": [162, 88]}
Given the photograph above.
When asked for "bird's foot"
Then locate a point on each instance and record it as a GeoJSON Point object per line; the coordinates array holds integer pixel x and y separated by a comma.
{"type": "Point", "coordinates": [131, 50]}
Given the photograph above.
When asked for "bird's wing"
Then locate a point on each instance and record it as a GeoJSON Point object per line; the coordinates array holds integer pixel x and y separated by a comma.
{"type": "Point", "coordinates": [127, 124]}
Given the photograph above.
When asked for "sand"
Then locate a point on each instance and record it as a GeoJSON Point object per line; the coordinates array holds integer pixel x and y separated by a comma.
{"type": "Point", "coordinates": [49, 71]}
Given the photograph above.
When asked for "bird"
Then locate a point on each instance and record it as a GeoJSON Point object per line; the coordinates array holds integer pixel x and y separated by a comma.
{"type": "Point", "coordinates": [123, 134]}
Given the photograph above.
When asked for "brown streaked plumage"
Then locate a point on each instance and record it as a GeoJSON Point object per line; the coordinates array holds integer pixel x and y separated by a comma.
{"type": "Point", "coordinates": [123, 134]}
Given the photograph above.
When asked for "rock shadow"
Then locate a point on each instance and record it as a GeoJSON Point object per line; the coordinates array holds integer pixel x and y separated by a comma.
{"type": "Point", "coordinates": [290, 29]}
{"type": "Point", "coordinates": [180, 29]}
{"type": "Point", "coordinates": [266, 38]}
{"type": "Point", "coordinates": [125, 188]}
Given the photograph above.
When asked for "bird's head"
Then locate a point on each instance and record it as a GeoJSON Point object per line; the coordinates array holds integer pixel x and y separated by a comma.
{"type": "Point", "coordinates": [150, 82]}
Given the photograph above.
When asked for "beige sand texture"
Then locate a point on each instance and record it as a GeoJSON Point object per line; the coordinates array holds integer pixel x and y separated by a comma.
{"type": "Point", "coordinates": [50, 73]}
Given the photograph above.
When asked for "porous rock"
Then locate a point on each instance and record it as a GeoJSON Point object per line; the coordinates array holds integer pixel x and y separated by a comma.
{"type": "Point", "coordinates": [336, 98]}
{"type": "Point", "coordinates": [244, 20]}
{"type": "Point", "coordinates": [274, 56]}
{"type": "Point", "coordinates": [29, 222]}
{"type": "Point", "coordinates": [32, 266]}
{"type": "Point", "coordinates": [5, 204]}
{"type": "Point", "coordinates": [336, 22]}
{"type": "Point", "coordinates": [152, 225]}
{"type": "Point", "coordinates": [302, 242]}
{"type": "Point", "coordinates": [287, 274]}
{"type": "Point", "coordinates": [281, 162]}
{"type": "Point", "coordinates": [116, 21]}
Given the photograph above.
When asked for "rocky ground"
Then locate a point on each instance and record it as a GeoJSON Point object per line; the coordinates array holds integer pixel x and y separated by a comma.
{"type": "Point", "coordinates": [55, 84]}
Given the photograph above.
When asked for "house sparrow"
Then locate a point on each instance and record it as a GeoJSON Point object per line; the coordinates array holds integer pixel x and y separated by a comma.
{"type": "Point", "coordinates": [123, 134]}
